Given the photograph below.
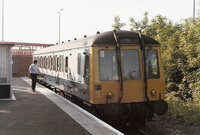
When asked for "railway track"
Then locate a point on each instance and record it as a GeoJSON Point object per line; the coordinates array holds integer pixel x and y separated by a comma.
{"type": "Point", "coordinates": [143, 132]}
{"type": "Point", "coordinates": [135, 132]}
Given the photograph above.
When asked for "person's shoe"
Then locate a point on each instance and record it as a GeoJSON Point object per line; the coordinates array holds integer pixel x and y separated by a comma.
{"type": "Point", "coordinates": [33, 90]}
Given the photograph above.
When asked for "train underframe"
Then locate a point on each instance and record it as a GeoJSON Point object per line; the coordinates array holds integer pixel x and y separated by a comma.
{"type": "Point", "coordinates": [132, 114]}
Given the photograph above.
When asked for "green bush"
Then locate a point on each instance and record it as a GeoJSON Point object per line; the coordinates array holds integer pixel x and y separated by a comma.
{"type": "Point", "coordinates": [186, 112]}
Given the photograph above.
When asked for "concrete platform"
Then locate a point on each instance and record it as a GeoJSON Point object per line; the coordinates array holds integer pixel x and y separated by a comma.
{"type": "Point", "coordinates": [45, 113]}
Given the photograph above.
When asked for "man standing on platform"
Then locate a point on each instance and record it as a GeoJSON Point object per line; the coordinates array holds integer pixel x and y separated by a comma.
{"type": "Point", "coordinates": [33, 70]}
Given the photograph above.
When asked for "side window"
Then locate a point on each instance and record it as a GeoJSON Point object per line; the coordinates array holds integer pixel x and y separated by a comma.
{"type": "Point", "coordinates": [38, 62]}
{"type": "Point", "coordinates": [54, 63]}
{"type": "Point", "coordinates": [42, 62]}
{"type": "Point", "coordinates": [60, 63]}
{"type": "Point", "coordinates": [66, 64]}
{"type": "Point", "coordinates": [51, 61]}
{"type": "Point", "coordinates": [48, 62]}
{"type": "Point", "coordinates": [57, 65]}
{"type": "Point", "coordinates": [45, 62]}
{"type": "Point", "coordinates": [79, 64]}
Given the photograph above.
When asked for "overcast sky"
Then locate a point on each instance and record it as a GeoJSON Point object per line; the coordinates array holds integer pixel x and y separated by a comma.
{"type": "Point", "coordinates": [37, 20]}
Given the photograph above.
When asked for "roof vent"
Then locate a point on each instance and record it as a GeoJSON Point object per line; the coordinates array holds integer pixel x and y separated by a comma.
{"type": "Point", "coordinates": [85, 36]}
{"type": "Point", "coordinates": [98, 32]}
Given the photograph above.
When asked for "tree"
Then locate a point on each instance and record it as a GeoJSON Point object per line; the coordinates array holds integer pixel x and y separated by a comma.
{"type": "Point", "coordinates": [190, 65]}
{"type": "Point", "coordinates": [180, 48]}
{"type": "Point", "coordinates": [140, 25]}
{"type": "Point", "coordinates": [117, 24]}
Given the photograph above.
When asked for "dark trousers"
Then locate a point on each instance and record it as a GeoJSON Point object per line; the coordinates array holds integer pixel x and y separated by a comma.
{"type": "Point", "coordinates": [34, 79]}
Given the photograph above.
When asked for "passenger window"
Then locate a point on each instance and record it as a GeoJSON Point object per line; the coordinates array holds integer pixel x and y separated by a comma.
{"type": "Point", "coordinates": [79, 64]}
{"type": "Point", "coordinates": [45, 62]}
{"type": "Point", "coordinates": [38, 62]}
{"type": "Point", "coordinates": [51, 63]}
{"type": "Point", "coordinates": [57, 61]}
{"type": "Point", "coordinates": [66, 64]}
{"type": "Point", "coordinates": [46, 66]}
{"type": "Point", "coordinates": [54, 63]}
{"type": "Point", "coordinates": [42, 62]}
{"type": "Point", "coordinates": [62, 63]}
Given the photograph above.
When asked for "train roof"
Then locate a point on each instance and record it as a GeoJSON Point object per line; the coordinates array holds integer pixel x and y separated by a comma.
{"type": "Point", "coordinates": [125, 37]}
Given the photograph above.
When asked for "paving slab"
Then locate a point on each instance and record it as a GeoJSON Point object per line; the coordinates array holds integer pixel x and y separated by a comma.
{"type": "Point", "coordinates": [34, 114]}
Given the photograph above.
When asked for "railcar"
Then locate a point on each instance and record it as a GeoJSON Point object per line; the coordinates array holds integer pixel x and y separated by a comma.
{"type": "Point", "coordinates": [119, 73]}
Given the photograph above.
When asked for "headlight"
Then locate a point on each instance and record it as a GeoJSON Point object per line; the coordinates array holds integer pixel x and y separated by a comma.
{"type": "Point", "coordinates": [153, 92]}
{"type": "Point", "coordinates": [109, 95]}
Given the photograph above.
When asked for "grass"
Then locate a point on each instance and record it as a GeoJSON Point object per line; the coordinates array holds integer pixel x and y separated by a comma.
{"type": "Point", "coordinates": [188, 113]}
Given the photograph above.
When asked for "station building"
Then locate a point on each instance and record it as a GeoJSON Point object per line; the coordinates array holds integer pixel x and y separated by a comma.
{"type": "Point", "coordinates": [15, 59]}
{"type": "Point", "coordinates": [5, 70]}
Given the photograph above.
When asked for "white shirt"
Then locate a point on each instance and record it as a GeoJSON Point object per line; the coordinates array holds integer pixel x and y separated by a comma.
{"type": "Point", "coordinates": [33, 69]}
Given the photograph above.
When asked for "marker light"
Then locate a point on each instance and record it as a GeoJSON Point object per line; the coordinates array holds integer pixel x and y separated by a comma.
{"type": "Point", "coordinates": [153, 92]}
{"type": "Point", "coordinates": [109, 95]}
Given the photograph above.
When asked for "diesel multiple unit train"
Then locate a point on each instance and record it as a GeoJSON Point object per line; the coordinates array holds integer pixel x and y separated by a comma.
{"type": "Point", "coordinates": [119, 73]}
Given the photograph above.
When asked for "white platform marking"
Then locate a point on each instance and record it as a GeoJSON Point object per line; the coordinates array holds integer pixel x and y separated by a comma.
{"type": "Point", "coordinates": [92, 124]}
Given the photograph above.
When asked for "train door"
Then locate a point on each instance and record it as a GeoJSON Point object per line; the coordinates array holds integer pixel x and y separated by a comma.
{"type": "Point", "coordinates": [57, 76]}
{"type": "Point", "coordinates": [133, 85]}
{"type": "Point", "coordinates": [86, 77]}
{"type": "Point", "coordinates": [155, 77]}
{"type": "Point", "coordinates": [54, 74]}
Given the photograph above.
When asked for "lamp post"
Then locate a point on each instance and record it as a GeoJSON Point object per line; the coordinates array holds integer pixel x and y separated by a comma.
{"type": "Point", "coordinates": [193, 9]}
{"type": "Point", "coordinates": [59, 13]}
{"type": "Point", "coordinates": [2, 21]}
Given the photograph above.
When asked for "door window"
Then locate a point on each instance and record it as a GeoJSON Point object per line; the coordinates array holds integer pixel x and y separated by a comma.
{"type": "Point", "coordinates": [131, 65]}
